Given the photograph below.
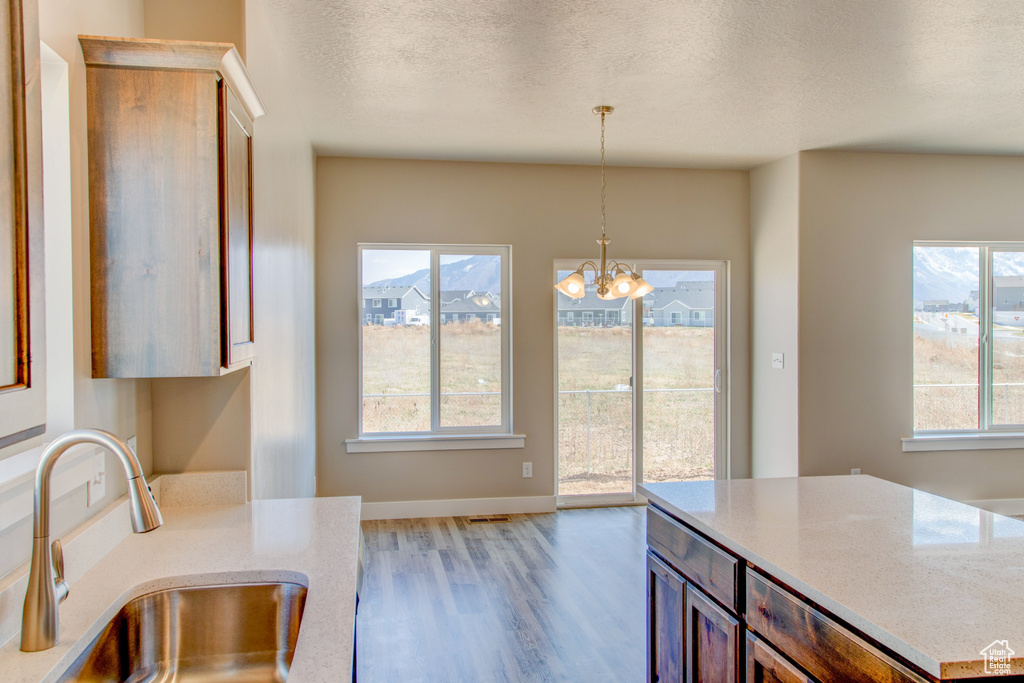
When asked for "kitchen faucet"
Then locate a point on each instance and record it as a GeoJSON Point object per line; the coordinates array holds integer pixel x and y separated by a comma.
{"type": "Point", "coordinates": [39, 628]}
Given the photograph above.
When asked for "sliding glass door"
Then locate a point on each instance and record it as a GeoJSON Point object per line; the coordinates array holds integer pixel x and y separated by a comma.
{"type": "Point", "coordinates": [594, 340]}
{"type": "Point", "coordinates": [642, 386]}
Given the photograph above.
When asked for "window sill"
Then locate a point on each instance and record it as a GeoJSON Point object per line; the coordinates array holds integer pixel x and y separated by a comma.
{"type": "Point", "coordinates": [963, 442]}
{"type": "Point", "coordinates": [434, 442]}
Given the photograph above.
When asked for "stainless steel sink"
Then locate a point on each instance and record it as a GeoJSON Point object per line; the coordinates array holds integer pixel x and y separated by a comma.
{"type": "Point", "coordinates": [235, 632]}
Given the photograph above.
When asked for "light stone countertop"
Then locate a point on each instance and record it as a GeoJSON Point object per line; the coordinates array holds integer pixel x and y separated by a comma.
{"type": "Point", "coordinates": [934, 580]}
{"type": "Point", "coordinates": [312, 541]}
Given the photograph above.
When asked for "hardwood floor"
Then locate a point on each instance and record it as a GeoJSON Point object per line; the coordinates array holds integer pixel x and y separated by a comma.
{"type": "Point", "coordinates": [551, 597]}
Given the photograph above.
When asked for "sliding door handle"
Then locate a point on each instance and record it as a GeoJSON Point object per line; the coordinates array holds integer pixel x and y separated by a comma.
{"type": "Point", "coordinates": [718, 381]}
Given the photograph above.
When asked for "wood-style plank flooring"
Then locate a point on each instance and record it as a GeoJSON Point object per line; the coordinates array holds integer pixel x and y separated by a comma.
{"type": "Point", "coordinates": [550, 597]}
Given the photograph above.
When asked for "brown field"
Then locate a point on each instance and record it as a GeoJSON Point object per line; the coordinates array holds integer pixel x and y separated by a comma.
{"type": "Point", "coordinates": [956, 407]}
{"type": "Point", "coordinates": [678, 426]}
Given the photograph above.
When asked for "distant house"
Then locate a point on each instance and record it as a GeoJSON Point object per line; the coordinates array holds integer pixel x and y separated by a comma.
{"type": "Point", "coordinates": [973, 301]}
{"type": "Point", "coordinates": [936, 306]}
{"type": "Point", "coordinates": [450, 295]}
{"type": "Point", "coordinates": [381, 303]}
{"type": "Point", "coordinates": [1008, 294]}
{"type": "Point", "coordinates": [591, 311]}
{"type": "Point", "coordinates": [688, 304]}
{"type": "Point", "coordinates": [482, 307]}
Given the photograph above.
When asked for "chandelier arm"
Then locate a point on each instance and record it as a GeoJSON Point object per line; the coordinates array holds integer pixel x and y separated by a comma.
{"type": "Point", "coordinates": [620, 267]}
{"type": "Point", "coordinates": [584, 265]}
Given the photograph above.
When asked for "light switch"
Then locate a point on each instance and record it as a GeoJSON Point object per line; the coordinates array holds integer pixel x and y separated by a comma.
{"type": "Point", "coordinates": [778, 361]}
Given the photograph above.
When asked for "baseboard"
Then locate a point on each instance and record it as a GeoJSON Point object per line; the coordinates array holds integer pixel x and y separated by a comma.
{"type": "Point", "coordinates": [1002, 506]}
{"type": "Point", "coordinates": [411, 509]}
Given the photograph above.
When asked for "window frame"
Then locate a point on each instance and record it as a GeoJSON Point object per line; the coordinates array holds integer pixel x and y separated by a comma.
{"type": "Point", "coordinates": [999, 435]}
{"type": "Point", "coordinates": [437, 431]}
{"type": "Point", "coordinates": [393, 305]}
{"type": "Point", "coordinates": [376, 302]}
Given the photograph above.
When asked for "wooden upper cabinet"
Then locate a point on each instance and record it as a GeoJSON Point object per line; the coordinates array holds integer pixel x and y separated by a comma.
{"type": "Point", "coordinates": [22, 333]}
{"type": "Point", "coordinates": [170, 204]}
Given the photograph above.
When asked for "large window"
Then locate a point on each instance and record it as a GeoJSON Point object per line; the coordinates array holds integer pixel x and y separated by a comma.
{"type": "Point", "coordinates": [968, 337]}
{"type": "Point", "coordinates": [441, 364]}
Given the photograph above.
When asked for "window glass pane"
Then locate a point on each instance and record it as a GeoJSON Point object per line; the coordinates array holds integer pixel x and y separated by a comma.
{"type": "Point", "coordinates": [946, 334]}
{"type": "Point", "coordinates": [679, 376]}
{"type": "Point", "coordinates": [595, 404]}
{"type": "Point", "coordinates": [1007, 337]}
{"type": "Point", "coordinates": [470, 340]}
{"type": "Point", "coordinates": [396, 341]}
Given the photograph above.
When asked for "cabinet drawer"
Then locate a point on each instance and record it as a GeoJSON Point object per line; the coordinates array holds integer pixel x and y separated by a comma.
{"type": "Point", "coordinates": [828, 651]}
{"type": "Point", "coordinates": [700, 561]}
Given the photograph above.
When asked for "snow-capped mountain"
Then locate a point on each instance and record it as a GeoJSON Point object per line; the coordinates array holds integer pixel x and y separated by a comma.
{"type": "Point", "coordinates": [480, 273]}
{"type": "Point", "coordinates": [951, 273]}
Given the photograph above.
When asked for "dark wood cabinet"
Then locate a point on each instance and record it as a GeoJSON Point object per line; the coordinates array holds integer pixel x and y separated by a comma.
{"type": "Point", "coordinates": [666, 603]}
{"type": "Point", "coordinates": [765, 665]}
{"type": "Point", "coordinates": [714, 618]}
{"type": "Point", "coordinates": [170, 204]}
{"type": "Point", "coordinates": [712, 641]}
{"type": "Point", "coordinates": [818, 642]}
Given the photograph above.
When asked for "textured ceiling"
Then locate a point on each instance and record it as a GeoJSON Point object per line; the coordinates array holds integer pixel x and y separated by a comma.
{"type": "Point", "coordinates": [712, 83]}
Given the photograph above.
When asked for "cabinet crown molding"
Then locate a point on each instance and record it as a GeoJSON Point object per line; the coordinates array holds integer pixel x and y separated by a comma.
{"type": "Point", "coordinates": [144, 53]}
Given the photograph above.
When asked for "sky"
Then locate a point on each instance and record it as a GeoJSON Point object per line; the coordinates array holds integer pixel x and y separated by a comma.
{"type": "Point", "coordinates": [384, 264]}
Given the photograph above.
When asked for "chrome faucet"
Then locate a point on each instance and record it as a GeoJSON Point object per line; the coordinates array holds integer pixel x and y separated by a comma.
{"type": "Point", "coordinates": [45, 593]}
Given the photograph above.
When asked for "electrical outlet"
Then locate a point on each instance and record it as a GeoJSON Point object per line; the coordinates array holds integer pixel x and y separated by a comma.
{"type": "Point", "coordinates": [133, 443]}
{"type": "Point", "coordinates": [97, 486]}
{"type": "Point", "coordinates": [855, 470]}
{"type": "Point", "coordinates": [778, 360]}
{"type": "Point", "coordinates": [527, 470]}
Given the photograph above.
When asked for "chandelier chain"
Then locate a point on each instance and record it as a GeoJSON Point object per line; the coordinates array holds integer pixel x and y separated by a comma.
{"type": "Point", "coordinates": [602, 175]}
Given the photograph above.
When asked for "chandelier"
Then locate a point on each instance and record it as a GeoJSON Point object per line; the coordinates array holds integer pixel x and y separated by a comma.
{"type": "Point", "coordinates": [613, 280]}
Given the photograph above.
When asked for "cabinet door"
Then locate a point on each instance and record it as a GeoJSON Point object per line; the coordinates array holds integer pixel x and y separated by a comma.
{"type": "Point", "coordinates": [22, 334]}
{"type": "Point", "coordinates": [236, 240]}
{"type": "Point", "coordinates": [712, 641]}
{"type": "Point", "coordinates": [666, 599]}
{"type": "Point", "coordinates": [765, 665]}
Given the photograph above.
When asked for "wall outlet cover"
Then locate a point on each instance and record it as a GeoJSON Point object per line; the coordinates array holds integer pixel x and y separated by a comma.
{"type": "Point", "coordinates": [778, 360]}
{"type": "Point", "coordinates": [527, 470]}
{"type": "Point", "coordinates": [96, 489]}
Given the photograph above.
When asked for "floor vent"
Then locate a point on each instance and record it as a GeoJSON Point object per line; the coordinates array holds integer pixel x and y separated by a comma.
{"type": "Point", "coordinates": [489, 520]}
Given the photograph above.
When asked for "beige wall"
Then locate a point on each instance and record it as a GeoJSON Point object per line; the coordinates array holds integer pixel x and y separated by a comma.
{"type": "Point", "coordinates": [262, 420]}
{"type": "Point", "coordinates": [774, 266]}
{"type": "Point", "coordinates": [202, 423]}
{"type": "Point", "coordinates": [283, 375]}
{"type": "Point", "coordinates": [221, 21]}
{"type": "Point", "coordinates": [859, 216]}
{"type": "Point", "coordinates": [545, 213]}
{"type": "Point", "coordinates": [120, 406]}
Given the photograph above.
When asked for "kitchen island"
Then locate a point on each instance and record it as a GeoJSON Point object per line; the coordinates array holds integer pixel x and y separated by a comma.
{"type": "Point", "coordinates": [847, 578]}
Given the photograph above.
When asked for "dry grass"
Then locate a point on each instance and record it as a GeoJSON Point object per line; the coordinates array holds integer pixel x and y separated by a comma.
{"type": "Point", "coordinates": [938, 362]}
{"type": "Point", "coordinates": [678, 426]}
